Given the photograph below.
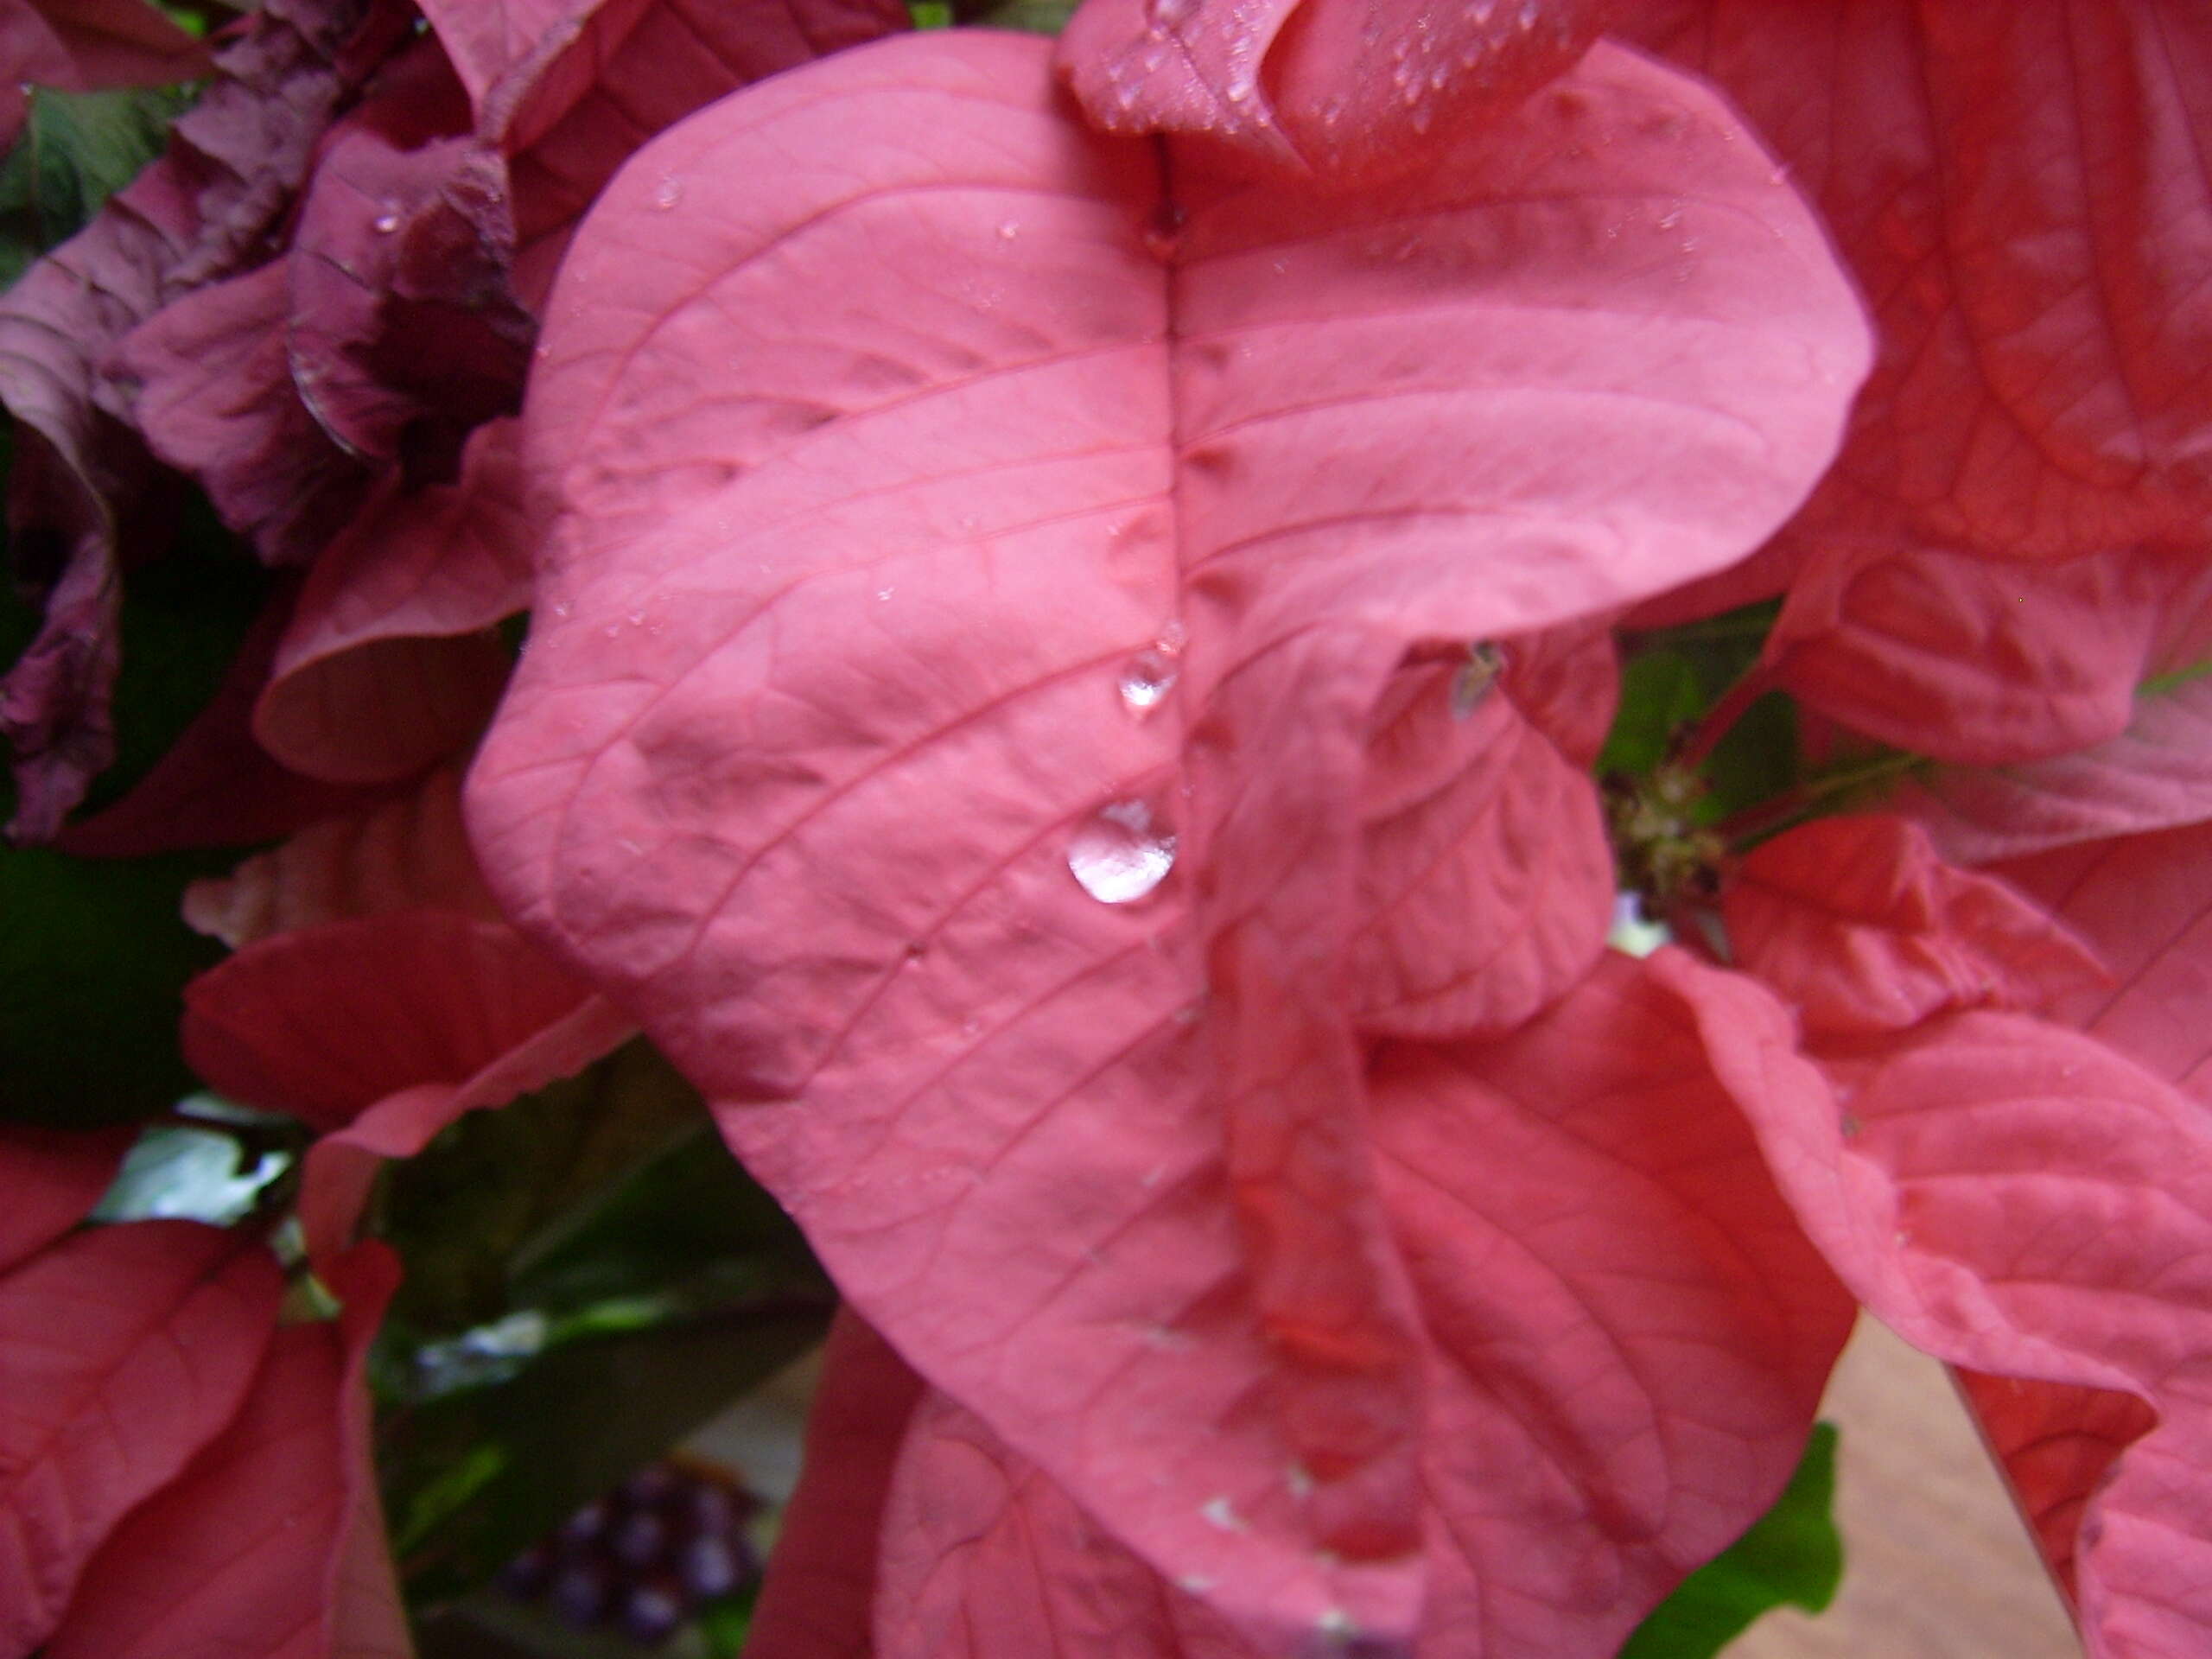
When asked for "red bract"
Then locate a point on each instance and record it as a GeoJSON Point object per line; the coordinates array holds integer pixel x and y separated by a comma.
{"type": "Point", "coordinates": [2025, 1203]}
{"type": "Point", "coordinates": [123, 1351]}
{"type": "Point", "coordinates": [980, 563]}
{"type": "Point", "coordinates": [271, 1545]}
{"type": "Point", "coordinates": [2017, 190]}
{"type": "Point", "coordinates": [51, 1178]}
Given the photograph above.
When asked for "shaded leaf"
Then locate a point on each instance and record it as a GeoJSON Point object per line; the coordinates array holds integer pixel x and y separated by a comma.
{"type": "Point", "coordinates": [51, 1177]}
{"type": "Point", "coordinates": [75, 151]}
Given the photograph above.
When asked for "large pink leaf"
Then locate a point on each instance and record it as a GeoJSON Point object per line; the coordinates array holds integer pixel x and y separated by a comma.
{"type": "Point", "coordinates": [270, 1546]}
{"type": "Point", "coordinates": [325, 1022]}
{"type": "Point", "coordinates": [2020, 1200]}
{"type": "Point", "coordinates": [1860, 926]}
{"type": "Point", "coordinates": [51, 1176]}
{"type": "Point", "coordinates": [205, 210]}
{"type": "Point", "coordinates": [388, 664]}
{"type": "Point", "coordinates": [2019, 190]}
{"type": "Point", "coordinates": [882, 493]}
{"type": "Point", "coordinates": [2156, 774]}
{"type": "Point", "coordinates": [1346, 90]}
{"type": "Point", "coordinates": [2145, 902]}
{"type": "Point", "coordinates": [123, 1351]}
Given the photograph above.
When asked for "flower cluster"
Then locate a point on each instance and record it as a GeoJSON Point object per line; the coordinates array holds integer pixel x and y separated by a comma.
{"type": "Point", "coordinates": [1109, 617]}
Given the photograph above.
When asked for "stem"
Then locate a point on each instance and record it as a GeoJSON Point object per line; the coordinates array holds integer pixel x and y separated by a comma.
{"type": "Point", "coordinates": [1754, 822]}
{"type": "Point", "coordinates": [1750, 686]}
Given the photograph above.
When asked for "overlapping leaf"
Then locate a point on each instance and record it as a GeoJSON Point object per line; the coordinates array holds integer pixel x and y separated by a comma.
{"type": "Point", "coordinates": [123, 1351]}
{"type": "Point", "coordinates": [2026, 1202]}
{"type": "Point", "coordinates": [271, 1545]}
{"type": "Point", "coordinates": [51, 1177]}
{"type": "Point", "coordinates": [880, 484]}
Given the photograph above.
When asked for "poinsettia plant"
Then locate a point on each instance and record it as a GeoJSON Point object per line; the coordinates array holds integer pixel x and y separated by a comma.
{"type": "Point", "coordinates": [1083, 639]}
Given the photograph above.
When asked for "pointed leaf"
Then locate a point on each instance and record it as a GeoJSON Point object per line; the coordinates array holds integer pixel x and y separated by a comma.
{"type": "Point", "coordinates": [123, 1351]}
{"type": "Point", "coordinates": [1348, 91]}
{"type": "Point", "coordinates": [1486, 877]}
{"type": "Point", "coordinates": [271, 1545]}
{"type": "Point", "coordinates": [825, 696]}
{"type": "Point", "coordinates": [52, 1178]}
{"type": "Point", "coordinates": [2022, 1201]}
{"type": "Point", "coordinates": [1859, 925]}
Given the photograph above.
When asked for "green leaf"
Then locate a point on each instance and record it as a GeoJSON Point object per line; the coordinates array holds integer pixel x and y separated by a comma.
{"type": "Point", "coordinates": [1790, 1554]}
{"type": "Point", "coordinates": [76, 150]}
{"type": "Point", "coordinates": [1660, 693]}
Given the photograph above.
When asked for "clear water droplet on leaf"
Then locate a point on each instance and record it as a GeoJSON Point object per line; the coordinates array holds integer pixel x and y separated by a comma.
{"type": "Point", "coordinates": [1121, 852]}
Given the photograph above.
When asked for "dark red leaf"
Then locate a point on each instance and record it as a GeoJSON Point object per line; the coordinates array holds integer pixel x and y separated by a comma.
{"type": "Point", "coordinates": [217, 786]}
{"type": "Point", "coordinates": [328, 1021]}
{"type": "Point", "coordinates": [388, 666]}
{"type": "Point", "coordinates": [272, 1544]}
{"type": "Point", "coordinates": [51, 1177]}
{"type": "Point", "coordinates": [1859, 924]}
{"type": "Point", "coordinates": [82, 45]}
{"type": "Point", "coordinates": [123, 1351]}
{"type": "Point", "coordinates": [410, 851]}
{"type": "Point", "coordinates": [2145, 902]}
{"type": "Point", "coordinates": [207, 210]}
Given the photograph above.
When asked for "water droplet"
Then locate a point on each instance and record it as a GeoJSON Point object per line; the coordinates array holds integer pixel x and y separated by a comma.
{"type": "Point", "coordinates": [1149, 675]}
{"type": "Point", "coordinates": [671, 192]}
{"type": "Point", "coordinates": [1220, 1512]}
{"type": "Point", "coordinates": [885, 593]}
{"type": "Point", "coordinates": [1121, 853]}
{"type": "Point", "coordinates": [1671, 218]}
{"type": "Point", "coordinates": [1300, 1479]}
{"type": "Point", "coordinates": [385, 224]}
{"type": "Point", "coordinates": [1195, 1584]}
{"type": "Point", "coordinates": [1476, 677]}
{"type": "Point", "coordinates": [1163, 232]}
{"type": "Point", "coordinates": [1009, 229]}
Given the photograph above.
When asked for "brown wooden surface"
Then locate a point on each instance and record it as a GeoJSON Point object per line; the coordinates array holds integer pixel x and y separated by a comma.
{"type": "Point", "coordinates": [1937, 1564]}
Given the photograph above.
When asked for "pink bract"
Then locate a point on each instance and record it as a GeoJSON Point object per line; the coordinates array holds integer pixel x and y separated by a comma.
{"type": "Point", "coordinates": [961, 506]}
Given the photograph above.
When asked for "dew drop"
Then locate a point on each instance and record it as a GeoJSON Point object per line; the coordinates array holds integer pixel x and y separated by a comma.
{"type": "Point", "coordinates": [1009, 229]}
{"type": "Point", "coordinates": [671, 192]}
{"type": "Point", "coordinates": [1220, 1512]}
{"type": "Point", "coordinates": [1121, 853]}
{"type": "Point", "coordinates": [385, 224]}
{"type": "Point", "coordinates": [1149, 675]}
{"type": "Point", "coordinates": [1163, 232]}
{"type": "Point", "coordinates": [1476, 677]}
